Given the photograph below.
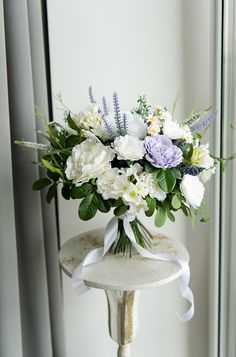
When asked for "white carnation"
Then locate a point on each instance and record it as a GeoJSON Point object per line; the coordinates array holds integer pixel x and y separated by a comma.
{"type": "Point", "coordinates": [88, 160]}
{"type": "Point", "coordinates": [106, 182]}
{"type": "Point", "coordinates": [206, 175]}
{"type": "Point", "coordinates": [173, 130]}
{"type": "Point", "coordinates": [129, 148]}
{"type": "Point", "coordinates": [193, 190]}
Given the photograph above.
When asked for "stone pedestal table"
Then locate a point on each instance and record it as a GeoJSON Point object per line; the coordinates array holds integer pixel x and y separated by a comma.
{"type": "Point", "coordinates": [122, 278]}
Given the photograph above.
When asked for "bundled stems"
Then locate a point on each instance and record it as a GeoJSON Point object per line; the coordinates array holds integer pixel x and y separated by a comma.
{"type": "Point", "coordinates": [123, 245]}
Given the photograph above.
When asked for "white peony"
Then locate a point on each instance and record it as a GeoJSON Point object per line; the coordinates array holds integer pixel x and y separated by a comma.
{"type": "Point", "coordinates": [206, 175]}
{"type": "Point", "coordinates": [201, 157]}
{"type": "Point", "coordinates": [129, 148]}
{"type": "Point", "coordinates": [173, 130]}
{"type": "Point", "coordinates": [193, 190]}
{"type": "Point", "coordinates": [88, 160]}
{"type": "Point", "coordinates": [89, 118]}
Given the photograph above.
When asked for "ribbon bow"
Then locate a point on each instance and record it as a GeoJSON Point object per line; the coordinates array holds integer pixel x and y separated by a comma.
{"type": "Point", "coordinates": [110, 236]}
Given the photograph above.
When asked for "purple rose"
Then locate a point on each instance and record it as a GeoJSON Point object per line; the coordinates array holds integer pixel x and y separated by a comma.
{"type": "Point", "coordinates": [161, 152]}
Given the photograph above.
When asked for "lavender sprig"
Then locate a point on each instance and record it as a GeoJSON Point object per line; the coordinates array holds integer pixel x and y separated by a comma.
{"type": "Point", "coordinates": [108, 127]}
{"type": "Point", "coordinates": [91, 97]}
{"type": "Point", "coordinates": [125, 123]}
{"type": "Point", "coordinates": [191, 170]}
{"type": "Point", "coordinates": [105, 107]}
{"type": "Point", "coordinates": [118, 119]}
{"type": "Point", "coordinates": [204, 123]}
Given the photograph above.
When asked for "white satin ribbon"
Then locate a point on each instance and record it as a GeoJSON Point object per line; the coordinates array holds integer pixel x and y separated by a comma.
{"type": "Point", "coordinates": [110, 236]}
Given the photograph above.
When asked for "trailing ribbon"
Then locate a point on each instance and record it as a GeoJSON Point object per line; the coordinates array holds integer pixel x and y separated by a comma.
{"type": "Point", "coordinates": [110, 236]}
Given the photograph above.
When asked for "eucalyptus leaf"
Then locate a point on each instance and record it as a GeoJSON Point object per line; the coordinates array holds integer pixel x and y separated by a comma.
{"type": "Point", "coordinates": [175, 202]}
{"type": "Point", "coordinates": [151, 203]}
{"type": "Point", "coordinates": [170, 216]}
{"type": "Point", "coordinates": [160, 217]}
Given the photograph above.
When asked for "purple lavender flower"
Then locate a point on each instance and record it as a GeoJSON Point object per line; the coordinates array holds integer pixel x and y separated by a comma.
{"type": "Point", "coordinates": [192, 170]}
{"type": "Point", "coordinates": [161, 152]}
{"type": "Point", "coordinates": [91, 97]}
{"type": "Point", "coordinates": [105, 107]}
{"type": "Point", "coordinates": [204, 123]}
{"type": "Point", "coordinates": [108, 127]}
{"type": "Point", "coordinates": [117, 114]}
{"type": "Point", "coordinates": [125, 120]}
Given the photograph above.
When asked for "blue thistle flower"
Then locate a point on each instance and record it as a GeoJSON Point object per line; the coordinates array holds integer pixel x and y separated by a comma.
{"type": "Point", "coordinates": [191, 170]}
{"type": "Point", "coordinates": [105, 107]}
{"type": "Point", "coordinates": [91, 97]}
{"type": "Point", "coordinates": [118, 119]}
{"type": "Point", "coordinates": [204, 123]}
{"type": "Point", "coordinates": [125, 121]}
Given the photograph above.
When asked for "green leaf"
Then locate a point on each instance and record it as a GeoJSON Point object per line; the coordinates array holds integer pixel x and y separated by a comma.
{"type": "Point", "coordinates": [65, 191]}
{"type": "Point", "coordinates": [81, 191]}
{"type": "Point", "coordinates": [104, 206]}
{"type": "Point", "coordinates": [52, 168]}
{"type": "Point", "coordinates": [39, 184]}
{"type": "Point", "coordinates": [202, 212]}
{"type": "Point", "coordinates": [71, 123]}
{"type": "Point", "coordinates": [149, 168]}
{"type": "Point", "coordinates": [160, 217]}
{"type": "Point", "coordinates": [170, 216]}
{"type": "Point", "coordinates": [151, 203]}
{"type": "Point", "coordinates": [53, 175]}
{"type": "Point", "coordinates": [175, 202]}
{"type": "Point", "coordinates": [187, 150]}
{"type": "Point", "coordinates": [185, 210]}
{"type": "Point", "coordinates": [166, 180]}
{"type": "Point", "coordinates": [73, 140]}
{"type": "Point", "coordinates": [88, 207]}
{"type": "Point", "coordinates": [177, 173]}
{"type": "Point", "coordinates": [118, 211]}
{"type": "Point", "coordinates": [52, 191]}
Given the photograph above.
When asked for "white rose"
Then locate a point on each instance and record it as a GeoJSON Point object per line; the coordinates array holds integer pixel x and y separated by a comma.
{"type": "Point", "coordinates": [129, 148]}
{"type": "Point", "coordinates": [206, 175]}
{"type": "Point", "coordinates": [173, 130]}
{"type": "Point", "coordinates": [201, 157]}
{"type": "Point", "coordinates": [193, 190]}
{"type": "Point", "coordinates": [88, 160]}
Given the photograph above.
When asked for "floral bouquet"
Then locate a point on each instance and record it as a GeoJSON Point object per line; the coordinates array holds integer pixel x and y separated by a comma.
{"type": "Point", "coordinates": [128, 161]}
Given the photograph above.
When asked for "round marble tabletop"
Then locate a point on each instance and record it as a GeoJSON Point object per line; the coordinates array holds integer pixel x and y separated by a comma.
{"type": "Point", "coordinates": [116, 272]}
